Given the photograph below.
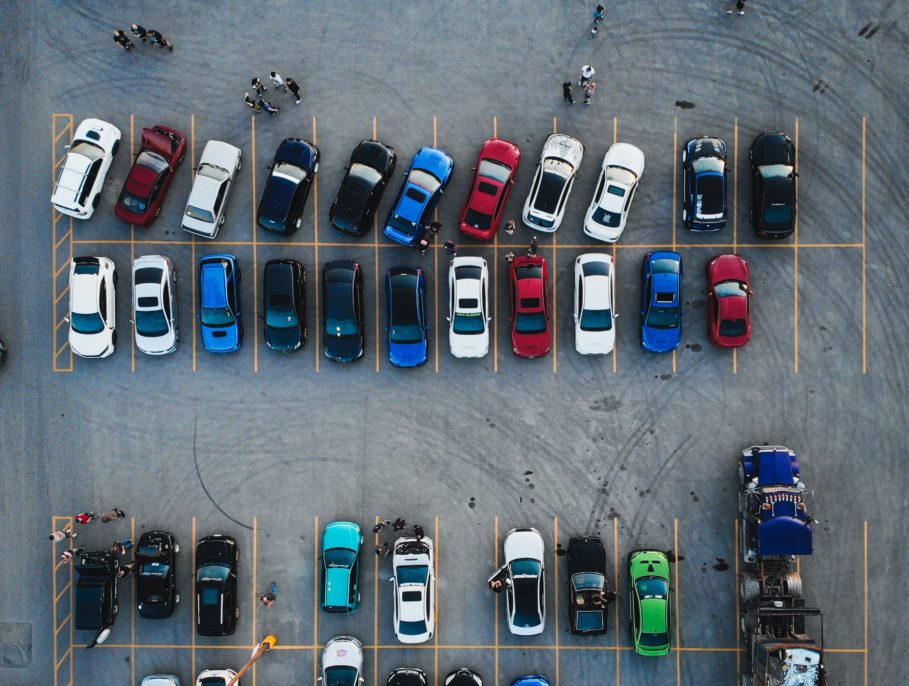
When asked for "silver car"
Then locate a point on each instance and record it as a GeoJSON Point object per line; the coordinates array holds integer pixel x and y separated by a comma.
{"type": "Point", "coordinates": [215, 175]}
{"type": "Point", "coordinates": [552, 182]}
{"type": "Point", "coordinates": [155, 305]}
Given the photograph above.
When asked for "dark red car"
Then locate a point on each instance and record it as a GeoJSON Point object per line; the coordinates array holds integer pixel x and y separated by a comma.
{"type": "Point", "coordinates": [528, 288]}
{"type": "Point", "coordinates": [492, 182]}
{"type": "Point", "coordinates": [729, 296]}
{"type": "Point", "coordinates": [162, 151]}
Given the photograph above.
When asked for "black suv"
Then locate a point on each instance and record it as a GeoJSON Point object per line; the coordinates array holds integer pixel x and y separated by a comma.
{"type": "Point", "coordinates": [285, 305]}
{"type": "Point", "coordinates": [156, 574]}
{"type": "Point", "coordinates": [217, 609]}
{"type": "Point", "coordinates": [773, 179]}
{"type": "Point", "coordinates": [96, 593]}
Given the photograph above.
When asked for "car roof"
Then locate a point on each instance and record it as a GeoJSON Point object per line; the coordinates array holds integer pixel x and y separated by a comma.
{"type": "Point", "coordinates": [84, 291]}
{"type": "Point", "coordinates": [214, 285]}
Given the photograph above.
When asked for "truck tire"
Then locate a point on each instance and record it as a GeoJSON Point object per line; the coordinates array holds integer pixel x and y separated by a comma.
{"type": "Point", "coordinates": [750, 587]}
{"type": "Point", "coordinates": [792, 585]}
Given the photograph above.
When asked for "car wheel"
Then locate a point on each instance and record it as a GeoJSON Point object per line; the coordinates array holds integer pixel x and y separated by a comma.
{"type": "Point", "coordinates": [96, 201]}
{"type": "Point", "coordinates": [116, 277]}
{"type": "Point", "coordinates": [237, 613]}
{"type": "Point", "coordinates": [113, 150]}
{"type": "Point", "coordinates": [749, 587]}
{"type": "Point", "coordinates": [173, 275]}
{"type": "Point", "coordinates": [176, 338]}
{"type": "Point", "coordinates": [684, 215]}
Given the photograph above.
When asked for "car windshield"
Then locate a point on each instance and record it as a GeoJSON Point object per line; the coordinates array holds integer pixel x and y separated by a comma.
{"type": "Point", "coordinates": [366, 174]}
{"type": "Point", "coordinates": [530, 322]}
{"type": "Point", "coordinates": [406, 333]}
{"type": "Point", "coordinates": [664, 266]}
{"type": "Point", "coordinates": [339, 320]}
{"type": "Point", "coordinates": [86, 323]}
{"type": "Point", "coordinates": [776, 171]}
{"type": "Point", "coordinates": [777, 213]}
{"type": "Point", "coordinates": [591, 581]}
{"type": "Point", "coordinates": [340, 676]}
{"type": "Point", "coordinates": [288, 172]}
{"type": "Point", "coordinates": [425, 180]}
{"type": "Point", "coordinates": [707, 164]}
{"type": "Point", "coordinates": [155, 569]}
{"type": "Point", "coordinates": [596, 320]}
{"type": "Point", "coordinates": [653, 640]}
{"type": "Point", "coordinates": [200, 214]}
{"type": "Point", "coordinates": [652, 589]}
{"type": "Point", "coordinates": [550, 191]}
{"type": "Point", "coordinates": [620, 175]}
{"type": "Point", "coordinates": [212, 573]}
{"type": "Point", "coordinates": [152, 160]}
{"type": "Point", "coordinates": [340, 558]}
{"type": "Point", "coordinates": [217, 316]}
{"type": "Point", "coordinates": [590, 621]}
{"type": "Point", "coordinates": [212, 171]}
{"type": "Point", "coordinates": [525, 567]}
{"type": "Point", "coordinates": [468, 323]}
{"type": "Point", "coordinates": [89, 150]}
{"type": "Point", "coordinates": [133, 202]}
{"type": "Point", "coordinates": [733, 327]}
{"type": "Point", "coordinates": [416, 574]}
{"type": "Point", "coordinates": [726, 289]}
{"type": "Point", "coordinates": [606, 218]}
{"type": "Point", "coordinates": [281, 319]}
{"type": "Point", "coordinates": [412, 628]}
{"type": "Point", "coordinates": [663, 317]}
{"type": "Point", "coordinates": [494, 170]}
{"type": "Point", "coordinates": [151, 323]}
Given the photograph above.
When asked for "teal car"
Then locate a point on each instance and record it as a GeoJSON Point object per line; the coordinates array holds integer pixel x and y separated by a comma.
{"type": "Point", "coordinates": [649, 602]}
{"type": "Point", "coordinates": [341, 567]}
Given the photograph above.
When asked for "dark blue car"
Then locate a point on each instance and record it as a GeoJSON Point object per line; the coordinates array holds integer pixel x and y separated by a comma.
{"type": "Point", "coordinates": [661, 301]}
{"type": "Point", "coordinates": [287, 187]}
{"type": "Point", "coordinates": [405, 300]}
{"type": "Point", "coordinates": [427, 177]}
{"type": "Point", "coordinates": [219, 309]}
{"type": "Point", "coordinates": [704, 184]}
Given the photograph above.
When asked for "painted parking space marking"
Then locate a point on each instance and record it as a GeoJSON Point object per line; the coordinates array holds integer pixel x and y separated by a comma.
{"type": "Point", "coordinates": [61, 249]}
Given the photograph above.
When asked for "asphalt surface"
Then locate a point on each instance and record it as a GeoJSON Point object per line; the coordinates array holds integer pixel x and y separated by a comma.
{"type": "Point", "coordinates": [640, 449]}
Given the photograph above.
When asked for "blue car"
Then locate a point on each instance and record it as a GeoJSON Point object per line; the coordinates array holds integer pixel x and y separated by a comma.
{"type": "Point", "coordinates": [405, 306]}
{"type": "Point", "coordinates": [531, 680]}
{"type": "Point", "coordinates": [704, 184]}
{"type": "Point", "coordinates": [427, 177]}
{"type": "Point", "coordinates": [661, 301]}
{"type": "Point", "coordinates": [341, 567]}
{"type": "Point", "coordinates": [219, 309]}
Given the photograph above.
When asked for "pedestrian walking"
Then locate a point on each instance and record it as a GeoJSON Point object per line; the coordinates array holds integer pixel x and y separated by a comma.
{"type": "Point", "coordinates": [510, 226]}
{"type": "Point", "coordinates": [252, 104]}
{"type": "Point", "coordinates": [398, 525]}
{"type": "Point", "coordinates": [423, 246]}
{"type": "Point", "coordinates": [294, 88]}
{"type": "Point", "coordinates": [85, 517]}
{"type": "Point", "coordinates": [139, 32]}
{"type": "Point", "coordinates": [599, 13]}
{"type": "Point", "coordinates": [589, 91]}
{"type": "Point", "coordinates": [381, 525]}
{"type": "Point", "coordinates": [260, 87]}
{"type": "Point", "coordinates": [587, 73]}
{"type": "Point", "coordinates": [509, 257]}
{"type": "Point", "coordinates": [268, 107]}
{"type": "Point", "coordinates": [418, 532]}
{"type": "Point", "coordinates": [739, 7]}
{"type": "Point", "coordinates": [60, 535]}
{"type": "Point", "coordinates": [434, 228]}
{"type": "Point", "coordinates": [383, 550]}
{"type": "Point", "coordinates": [120, 547]}
{"type": "Point", "coordinates": [112, 516]}
{"type": "Point", "coordinates": [157, 38]}
{"type": "Point", "coordinates": [278, 81]}
{"type": "Point", "coordinates": [593, 31]}
{"type": "Point", "coordinates": [68, 555]}
{"type": "Point", "coordinates": [268, 599]}
{"type": "Point", "coordinates": [121, 39]}
{"type": "Point", "coordinates": [124, 571]}
{"type": "Point", "coordinates": [451, 248]}
{"type": "Point", "coordinates": [532, 249]}
{"type": "Point", "coordinates": [566, 92]}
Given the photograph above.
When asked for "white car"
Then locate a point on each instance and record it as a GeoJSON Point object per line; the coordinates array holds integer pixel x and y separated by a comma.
{"type": "Point", "coordinates": [215, 677]}
{"type": "Point", "coordinates": [92, 306]}
{"type": "Point", "coordinates": [623, 167]}
{"type": "Point", "coordinates": [155, 305]}
{"type": "Point", "coordinates": [160, 680]}
{"type": "Point", "coordinates": [414, 583]}
{"type": "Point", "coordinates": [78, 187]}
{"type": "Point", "coordinates": [342, 662]}
{"type": "Point", "coordinates": [555, 175]}
{"type": "Point", "coordinates": [525, 588]}
{"type": "Point", "coordinates": [594, 304]}
{"type": "Point", "coordinates": [468, 307]}
{"type": "Point", "coordinates": [215, 174]}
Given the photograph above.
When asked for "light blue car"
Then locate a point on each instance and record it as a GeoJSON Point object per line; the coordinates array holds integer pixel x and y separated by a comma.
{"type": "Point", "coordinates": [341, 567]}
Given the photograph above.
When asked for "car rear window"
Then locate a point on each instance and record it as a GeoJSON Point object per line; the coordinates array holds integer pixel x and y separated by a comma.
{"type": "Point", "coordinates": [478, 220]}
{"type": "Point", "coordinates": [468, 272]}
{"type": "Point", "coordinates": [416, 195]}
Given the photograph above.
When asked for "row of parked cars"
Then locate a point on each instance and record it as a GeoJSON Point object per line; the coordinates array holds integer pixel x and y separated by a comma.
{"type": "Point", "coordinates": [296, 162]}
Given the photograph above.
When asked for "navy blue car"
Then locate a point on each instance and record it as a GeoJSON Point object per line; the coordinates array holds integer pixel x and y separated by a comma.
{"type": "Point", "coordinates": [405, 300]}
{"type": "Point", "coordinates": [219, 309]}
{"type": "Point", "coordinates": [661, 301]}
{"type": "Point", "coordinates": [704, 184]}
{"type": "Point", "coordinates": [287, 187]}
{"type": "Point", "coordinates": [427, 177]}
{"type": "Point", "coordinates": [343, 331]}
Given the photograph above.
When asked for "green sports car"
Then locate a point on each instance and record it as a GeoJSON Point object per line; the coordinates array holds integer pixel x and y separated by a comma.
{"type": "Point", "coordinates": [649, 603]}
{"type": "Point", "coordinates": [341, 567]}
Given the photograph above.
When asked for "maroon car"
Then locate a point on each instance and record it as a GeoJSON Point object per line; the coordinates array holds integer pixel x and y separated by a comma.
{"type": "Point", "coordinates": [495, 171]}
{"type": "Point", "coordinates": [528, 287]}
{"type": "Point", "coordinates": [729, 297]}
{"type": "Point", "coordinates": [162, 151]}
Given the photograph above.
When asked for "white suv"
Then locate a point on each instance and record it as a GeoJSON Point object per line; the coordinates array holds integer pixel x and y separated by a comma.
{"type": "Point", "coordinates": [78, 187]}
{"type": "Point", "coordinates": [92, 306]}
{"type": "Point", "coordinates": [218, 167]}
{"type": "Point", "coordinates": [414, 585]}
{"type": "Point", "coordinates": [468, 307]}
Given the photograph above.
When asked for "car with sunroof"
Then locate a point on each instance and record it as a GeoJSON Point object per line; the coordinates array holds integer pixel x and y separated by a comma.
{"type": "Point", "coordinates": [528, 288]}
{"type": "Point", "coordinates": [92, 306]}
{"type": "Point", "coordinates": [405, 316]}
{"type": "Point", "coordinates": [371, 165]}
{"type": "Point", "coordinates": [552, 182]}
{"type": "Point", "coordinates": [493, 179]}
{"type": "Point", "coordinates": [219, 303]}
{"type": "Point", "coordinates": [217, 600]}
{"type": "Point", "coordinates": [594, 304]}
{"type": "Point", "coordinates": [155, 305]}
{"type": "Point", "coordinates": [161, 151]}
{"type": "Point", "coordinates": [413, 582]}
{"type": "Point", "coordinates": [649, 602]}
{"type": "Point", "coordinates": [468, 307]}
{"type": "Point", "coordinates": [343, 328]}
{"type": "Point", "coordinates": [156, 574]}
{"type": "Point", "coordinates": [206, 208]}
{"type": "Point", "coordinates": [525, 587]}
{"type": "Point", "coordinates": [623, 166]}
{"type": "Point", "coordinates": [704, 184]}
{"type": "Point", "coordinates": [77, 190]}
{"type": "Point", "coordinates": [425, 182]}
{"type": "Point", "coordinates": [284, 302]}
{"type": "Point", "coordinates": [661, 301]}
{"type": "Point", "coordinates": [773, 185]}
{"type": "Point", "coordinates": [342, 662]}
{"type": "Point", "coordinates": [341, 544]}
{"type": "Point", "coordinates": [290, 178]}
{"type": "Point", "coordinates": [589, 594]}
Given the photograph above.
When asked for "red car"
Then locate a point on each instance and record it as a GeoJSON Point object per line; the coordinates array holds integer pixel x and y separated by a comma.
{"type": "Point", "coordinates": [528, 287]}
{"type": "Point", "coordinates": [495, 170]}
{"type": "Point", "coordinates": [162, 151]}
{"type": "Point", "coordinates": [729, 295]}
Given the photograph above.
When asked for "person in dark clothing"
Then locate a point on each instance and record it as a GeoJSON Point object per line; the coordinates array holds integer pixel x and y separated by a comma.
{"type": "Point", "coordinates": [418, 532]}
{"type": "Point", "coordinates": [294, 88]}
{"type": "Point", "coordinates": [434, 228]}
{"type": "Point", "coordinates": [252, 104]}
{"type": "Point", "coordinates": [157, 38]}
{"type": "Point", "coordinates": [451, 248]}
{"type": "Point", "coordinates": [260, 87]}
{"type": "Point", "coordinates": [566, 92]}
{"type": "Point", "coordinates": [268, 107]}
{"type": "Point", "coordinates": [121, 39]}
{"type": "Point", "coordinates": [139, 32]}
{"type": "Point", "coordinates": [738, 9]}
{"type": "Point", "coordinates": [532, 249]}
{"type": "Point", "coordinates": [398, 525]}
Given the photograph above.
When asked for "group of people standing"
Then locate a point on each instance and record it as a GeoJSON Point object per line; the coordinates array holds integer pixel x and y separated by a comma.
{"type": "Point", "coordinates": [397, 526]}
{"type": "Point", "coordinates": [259, 103]}
{"type": "Point", "coordinates": [84, 518]}
{"type": "Point", "coordinates": [149, 36]}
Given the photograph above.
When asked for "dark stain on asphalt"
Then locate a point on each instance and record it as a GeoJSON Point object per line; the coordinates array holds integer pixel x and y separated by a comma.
{"type": "Point", "coordinates": [684, 104]}
{"type": "Point", "coordinates": [694, 496]}
{"type": "Point", "coordinates": [472, 503]}
{"type": "Point", "coordinates": [721, 565]}
{"type": "Point", "coordinates": [606, 404]}
{"type": "Point", "coordinates": [673, 558]}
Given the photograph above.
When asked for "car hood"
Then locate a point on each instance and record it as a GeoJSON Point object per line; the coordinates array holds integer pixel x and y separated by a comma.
{"type": "Point", "coordinates": [661, 340]}
{"type": "Point", "coordinates": [285, 340]}
{"type": "Point", "coordinates": [220, 154]}
{"type": "Point", "coordinates": [407, 354]}
{"type": "Point", "coordinates": [625, 155]}
{"type": "Point", "coordinates": [344, 651]}
{"type": "Point", "coordinates": [523, 544]}
{"type": "Point", "coordinates": [345, 349]}
{"type": "Point", "coordinates": [594, 342]}
{"type": "Point", "coordinates": [341, 535]}
{"type": "Point", "coordinates": [436, 162]}
{"type": "Point", "coordinates": [565, 148]}
{"type": "Point", "coordinates": [90, 345]}
{"type": "Point", "coordinates": [221, 340]}
{"type": "Point", "coordinates": [772, 148]}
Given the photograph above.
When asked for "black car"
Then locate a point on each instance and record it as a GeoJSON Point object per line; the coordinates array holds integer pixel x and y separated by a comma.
{"type": "Point", "coordinates": [287, 188]}
{"type": "Point", "coordinates": [588, 591]}
{"type": "Point", "coordinates": [343, 338]}
{"type": "Point", "coordinates": [156, 574]}
{"type": "Point", "coordinates": [217, 609]}
{"type": "Point", "coordinates": [95, 595]}
{"type": "Point", "coordinates": [406, 676]}
{"type": "Point", "coordinates": [773, 206]}
{"type": "Point", "coordinates": [463, 677]}
{"type": "Point", "coordinates": [371, 165]}
{"type": "Point", "coordinates": [704, 184]}
{"type": "Point", "coordinates": [285, 305]}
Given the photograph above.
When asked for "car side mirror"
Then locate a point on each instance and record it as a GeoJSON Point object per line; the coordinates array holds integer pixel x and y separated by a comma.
{"type": "Point", "coordinates": [447, 319]}
{"type": "Point", "coordinates": [66, 319]}
{"type": "Point", "coordinates": [615, 316]}
{"type": "Point", "coordinates": [319, 679]}
{"type": "Point", "coordinates": [488, 319]}
{"type": "Point", "coordinates": [795, 174]}
{"type": "Point", "coordinates": [391, 578]}
{"type": "Point", "coordinates": [132, 321]}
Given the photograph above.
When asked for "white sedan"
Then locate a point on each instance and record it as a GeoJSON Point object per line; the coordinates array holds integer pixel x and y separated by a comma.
{"type": "Point", "coordinates": [92, 306]}
{"type": "Point", "coordinates": [555, 175]}
{"type": "Point", "coordinates": [623, 166]}
{"type": "Point", "coordinates": [525, 588]}
{"type": "Point", "coordinates": [468, 307]}
{"type": "Point", "coordinates": [215, 677]}
{"type": "Point", "coordinates": [78, 187]}
{"type": "Point", "coordinates": [155, 304]}
{"type": "Point", "coordinates": [342, 662]}
{"type": "Point", "coordinates": [594, 304]}
{"type": "Point", "coordinates": [414, 586]}
{"type": "Point", "coordinates": [215, 174]}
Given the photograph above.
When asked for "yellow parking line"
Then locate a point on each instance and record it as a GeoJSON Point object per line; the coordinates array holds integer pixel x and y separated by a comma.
{"type": "Point", "coordinates": [62, 659]}
{"type": "Point", "coordinates": [62, 624]}
{"type": "Point", "coordinates": [618, 596]}
{"type": "Point", "coordinates": [62, 238]}
{"type": "Point", "coordinates": [255, 242]}
{"type": "Point", "coordinates": [376, 270]}
{"type": "Point", "coordinates": [675, 199]}
{"type": "Point", "coordinates": [735, 215]}
{"type": "Point", "coordinates": [495, 600]}
{"type": "Point", "coordinates": [66, 128]}
{"type": "Point", "coordinates": [59, 324]}
{"type": "Point", "coordinates": [54, 575]}
{"type": "Point", "coordinates": [495, 279]}
{"type": "Point", "coordinates": [495, 126]}
{"type": "Point", "coordinates": [132, 248]}
{"type": "Point", "coordinates": [678, 593]}
{"type": "Point", "coordinates": [316, 266]}
{"type": "Point", "coordinates": [255, 585]}
{"type": "Point", "coordinates": [865, 576]}
{"type": "Point", "coordinates": [60, 349]}
{"type": "Point", "coordinates": [436, 617]}
{"type": "Point", "coordinates": [192, 149]}
{"type": "Point", "coordinates": [738, 603]}
{"type": "Point", "coordinates": [864, 271]}
{"type": "Point", "coordinates": [435, 252]}
{"type": "Point", "coordinates": [375, 609]}
{"type": "Point", "coordinates": [555, 566]}
{"type": "Point", "coordinates": [61, 592]}
{"type": "Point", "coordinates": [193, 603]}
{"type": "Point", "coordinates": [795, 252]}
{"type": "Point", "coordinates": [615, 348]}
{"type": "Point", "coordinates": [54, 298]}
{"type": "Point", "coordinates": [132, 611]}
{"type": "Point", "coordinates": [315, 602]}
{"type": "Point", "coordinates": [59, 298]}
{"type": "Point", "coordinates": [60, 271]}
{"type": "Point", "coordinates": [555, 284]}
